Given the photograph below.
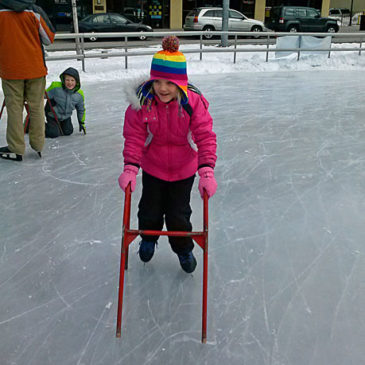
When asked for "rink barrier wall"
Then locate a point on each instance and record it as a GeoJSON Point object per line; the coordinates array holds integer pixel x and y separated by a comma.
{"type": "Point", "coordinates": [81, 53]}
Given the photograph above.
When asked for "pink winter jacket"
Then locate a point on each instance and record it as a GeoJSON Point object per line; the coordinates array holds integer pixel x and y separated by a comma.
{"type": "Point", "coordinates": [165, 142]}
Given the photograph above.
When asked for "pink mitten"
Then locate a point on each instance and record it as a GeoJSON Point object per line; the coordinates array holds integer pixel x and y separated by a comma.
{"type": "Point", "coordinates": [207, 181]}
{"type": "Point", "coordinates": [128, 176]}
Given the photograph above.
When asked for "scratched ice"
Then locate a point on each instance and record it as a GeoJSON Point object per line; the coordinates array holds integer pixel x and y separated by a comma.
{"type": "Point", "coordinates": [286, 244]}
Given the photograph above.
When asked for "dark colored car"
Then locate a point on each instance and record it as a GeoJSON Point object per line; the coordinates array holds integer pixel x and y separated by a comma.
{"type": "Point", "coordinates": [111, 22]}
{"type": "Point", "coordinates": [299, 19]}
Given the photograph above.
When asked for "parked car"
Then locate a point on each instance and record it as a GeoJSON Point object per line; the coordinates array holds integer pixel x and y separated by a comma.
{"type": "Point", "coordinates": [299, 19]}
{"type": "Point", "coordinates": [340, 14]}
{"type": "Point", "coordinates": [210, 19]}
{"type": "Point", "coordinates": [356, 18]}
{"type": "Point", "coordinates": [111, 22]}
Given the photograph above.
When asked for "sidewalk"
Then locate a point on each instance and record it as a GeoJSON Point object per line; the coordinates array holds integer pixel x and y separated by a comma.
{"type": "Point", "coordinates": [350, 29]}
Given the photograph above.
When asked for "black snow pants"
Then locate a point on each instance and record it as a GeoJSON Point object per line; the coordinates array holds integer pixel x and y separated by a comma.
{"type": "Point", "coordinates": [170, 201]}
{"type": "Point", "coordinates": [53, 130]}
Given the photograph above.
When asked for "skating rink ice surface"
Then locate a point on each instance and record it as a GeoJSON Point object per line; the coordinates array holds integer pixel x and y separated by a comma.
{"type": "Point", "coordinates": [286, 244]}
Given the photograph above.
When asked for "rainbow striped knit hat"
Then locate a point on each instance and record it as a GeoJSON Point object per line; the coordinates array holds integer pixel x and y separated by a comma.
{"type": "Point", "coordinates": [170, 64]}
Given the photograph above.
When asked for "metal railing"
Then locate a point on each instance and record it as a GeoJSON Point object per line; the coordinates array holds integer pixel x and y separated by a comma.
{"type": "Point", "coordinates": [234, 44]}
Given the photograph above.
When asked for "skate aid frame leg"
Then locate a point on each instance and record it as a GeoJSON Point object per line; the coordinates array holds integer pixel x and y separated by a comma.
{"type": "Point", "coordinates": [2, 108]}
{"type": "Point", "coordinates": [128, 235]}
{"type": "Point", "coordinates": [26, 106]}
{"type": "Point", "coordinates": [54, 113]}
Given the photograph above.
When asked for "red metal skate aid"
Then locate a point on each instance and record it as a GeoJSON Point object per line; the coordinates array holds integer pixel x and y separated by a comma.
{"type": "Point", "coordinates": [128, 235]}
{"type": "Point", "coordinates": [2, 108]}
{"type": "Point", "coordinates": [26, 106]}
{"type": "Point", "coordinates": [27, 118]}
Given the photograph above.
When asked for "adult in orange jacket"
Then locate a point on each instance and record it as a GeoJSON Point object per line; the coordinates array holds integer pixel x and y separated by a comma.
{"type": "Point", "coordinates": [24, 29]}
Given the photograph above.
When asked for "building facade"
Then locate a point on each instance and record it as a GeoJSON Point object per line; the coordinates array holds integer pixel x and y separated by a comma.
{"type": "Point", "coordinates": [170, 14]}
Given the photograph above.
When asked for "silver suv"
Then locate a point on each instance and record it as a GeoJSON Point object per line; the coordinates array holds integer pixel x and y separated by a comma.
{"type": "Point", "coordinates": [210, 19]}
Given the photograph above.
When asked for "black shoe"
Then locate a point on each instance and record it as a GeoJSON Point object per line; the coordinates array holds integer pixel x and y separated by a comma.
{"type": "Point", "coordinates": [146, 250]}
{"type": "Point", "coordinates": [6, 154]}
{"type": "Point", "coordinates": [40, 154]}
{"type": "Point", "coordinates": [187, 262]}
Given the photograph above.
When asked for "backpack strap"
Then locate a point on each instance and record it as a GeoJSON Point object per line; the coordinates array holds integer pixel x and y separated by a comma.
{"type": "Point", "coordinates": [188, 108]}
{"type": "Point", "coordinates": [194, 89]}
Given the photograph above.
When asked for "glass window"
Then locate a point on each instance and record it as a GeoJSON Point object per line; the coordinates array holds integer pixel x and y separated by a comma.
{"type": "Point", "coordinates": [209, 13]}
{"type": "Point", "coordinates": [235, 14]}
{"type": "Point", "coordinates": [193, 12]}
{"type": "Point", "coordinates": [311, 13]}
{"type": "Point", "coordinates": [218, 13]}
{"type": "Point", "coordinates": [275, 12]}
{"type": "Point", "coordinates": [117, 19]}
{"type": "Point", "coordinates": [301, 13]}
{"type": "Point", "coordinates": [101, 19]}
{"type": "Point", "coordinates": [88, 18]}
{"type": "Point", "coordinates": [289, 12]}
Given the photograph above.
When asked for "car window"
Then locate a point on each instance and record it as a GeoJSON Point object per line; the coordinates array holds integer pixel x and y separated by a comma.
{"type": "Point", "coordinates": [87, 18]}
{"type": "Point", "coordinates": [218, 13]}
{"type": "Point", "coordinates": [311, 13]}
{"type": "Point", "coordinates": [101, 19]}
{"type": "Point", "coordinates": [301, 13]}
{"type": "Point", "coordinates": [193, 12]}
{"type": "Point", "coordinates": [345, 11]}
{"type": "Point", "coordinates": [209, 13]}
{"type": "Point", "coordinates": [117, 19]}
{"type": "Point", "coordinates": [275, 12]}
{"type": "Point", "coordinates": [289, 12]}
{"type": "Point", "coordinates": [335, 12]}
{"type": "Point", "coordinates": [235, 14]}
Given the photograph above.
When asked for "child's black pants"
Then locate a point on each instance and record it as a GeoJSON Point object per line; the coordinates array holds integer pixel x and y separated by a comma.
{"type": "Point", "coordinates": [53, 130]}
{"type": "Point", "coordinates": [170, 200]}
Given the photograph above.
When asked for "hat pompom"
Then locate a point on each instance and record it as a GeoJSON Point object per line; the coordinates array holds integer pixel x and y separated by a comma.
{"type": "Point", "coordinates": [170, 43]}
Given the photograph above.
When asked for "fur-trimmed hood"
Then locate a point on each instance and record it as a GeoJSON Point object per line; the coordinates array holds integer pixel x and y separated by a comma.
{"type": "Point", "coordinates": [130, 88]}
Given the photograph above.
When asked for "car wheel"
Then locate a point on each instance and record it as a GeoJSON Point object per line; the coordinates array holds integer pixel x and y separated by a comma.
{"type": "Point", "coordinates": [92, 39]}
{"type": "Point", "coordinates": [293, 29]}
{"type": "Point", "coordinates": [256, 29]}
{"type": "Point", "coordinates": [142, 37]}
{"type": "Point", "coordinates": [208, 29]}
{"type": "Point", "coordinates": [331, 29]}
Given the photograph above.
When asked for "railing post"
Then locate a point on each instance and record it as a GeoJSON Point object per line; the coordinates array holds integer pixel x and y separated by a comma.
{"type": "Point", "coordinates": [235, 47]}
{"type": "Point", "coordinates": [126, 51]}
{"type": "Point", "coordinates": [83, 53]}
{"type": "Point", "coordinates": [267, 48]}
{"type": "Point", "coordinates": [360, 46]}
{"type": "Point", "coordinates": [299, 45]}
{"type": "Point", "coordinates": [201, 47]}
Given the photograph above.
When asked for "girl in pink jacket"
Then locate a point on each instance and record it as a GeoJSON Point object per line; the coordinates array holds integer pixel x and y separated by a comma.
{"type": "Point", "coordinates": [168, 133]}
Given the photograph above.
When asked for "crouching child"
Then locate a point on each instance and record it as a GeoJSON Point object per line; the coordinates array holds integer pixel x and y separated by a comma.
{"type": "Point", "coordinates": [63, 97]}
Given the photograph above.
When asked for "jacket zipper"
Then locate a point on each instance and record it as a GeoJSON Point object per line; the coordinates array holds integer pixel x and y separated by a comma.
{"type": "Point", "coordinates": [168, 142]}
